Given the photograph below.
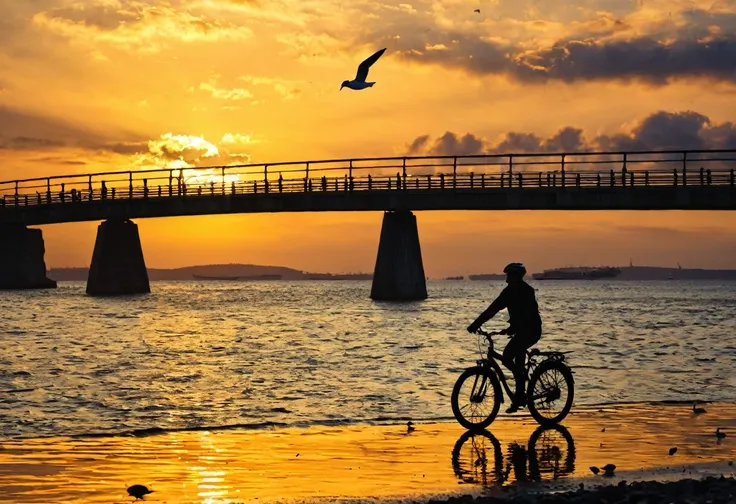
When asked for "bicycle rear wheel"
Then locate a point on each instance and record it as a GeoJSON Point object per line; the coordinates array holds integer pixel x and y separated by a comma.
{"type": "Point", "coordinates": [476, 398]}
{"type": "Point", "coordinates": [550, 393]}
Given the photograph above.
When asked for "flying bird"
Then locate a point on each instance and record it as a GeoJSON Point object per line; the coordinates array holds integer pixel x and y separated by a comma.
{"type": "Point", "coordinates": [477, 10]}
{"type": "Point", "coordinates": [359, 82]}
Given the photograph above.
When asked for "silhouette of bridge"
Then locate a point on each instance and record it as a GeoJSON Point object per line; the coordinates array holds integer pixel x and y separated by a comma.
{"type": "Point", "coordinates": [643, 180]}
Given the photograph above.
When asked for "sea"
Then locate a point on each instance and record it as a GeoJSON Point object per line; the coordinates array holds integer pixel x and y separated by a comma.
{"type": "Point", "coordinates": [212, 354]}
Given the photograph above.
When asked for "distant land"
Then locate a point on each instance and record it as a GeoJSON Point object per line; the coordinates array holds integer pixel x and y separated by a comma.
{"type": "Point", "coordinates": [217, 272]}
{"type": "Point", "coordinates": [265, 273]}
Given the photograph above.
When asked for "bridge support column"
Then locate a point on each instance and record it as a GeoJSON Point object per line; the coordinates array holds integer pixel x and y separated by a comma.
{"type": "Point", "coordinates": [118, 267]}
{"type": "Point", "coordinates": [22, 264]}
{"type": "Point", "coordinates": [399, 272]}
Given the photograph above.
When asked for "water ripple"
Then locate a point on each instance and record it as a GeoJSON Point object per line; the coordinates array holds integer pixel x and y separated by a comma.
{"type": "Point", "coordinates": [223, 353]}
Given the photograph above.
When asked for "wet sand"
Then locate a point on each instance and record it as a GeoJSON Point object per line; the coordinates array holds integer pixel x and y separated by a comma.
{"type": "Point", "coordinates": [371, 462]}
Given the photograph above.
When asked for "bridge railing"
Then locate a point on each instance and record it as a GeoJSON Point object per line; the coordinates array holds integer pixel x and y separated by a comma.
{"type": "Point", "coordinates": [589, 169]}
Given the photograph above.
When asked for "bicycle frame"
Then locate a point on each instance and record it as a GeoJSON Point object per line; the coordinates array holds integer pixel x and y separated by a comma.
{"type": "Point", "coordinates": [530, 364]}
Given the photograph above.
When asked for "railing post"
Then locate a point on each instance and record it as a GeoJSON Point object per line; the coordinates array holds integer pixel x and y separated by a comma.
{"type": "Point", "coordinates": [511, 169]}
{"type": "Point", "coordinates": [145, 188]}
{"type": "Point", "coordinates": [130, 184]}
{"type": "Point", "coordinates": [223, 181]}
{"type": "Point", "coordinates": [403, 173]}
{"type": "Point", "coordinates": [562, 168]}
{"type": "Point", "coordinates": [48, 190]}
{"type": "Point", "coordinates": [16, 190]}
{"type": "Point", "coordinates": [306, 176]}
{"type": "Point", "coordinates": [732, 177]}
{"type": "Point", "coordinates": [684, 168]}
{"type": "Point", "coordinates": [454, 172]}
{"type": "Point", "coordinates": [89, 186]}
{"type": "Point", "coordinates": [171, 180]}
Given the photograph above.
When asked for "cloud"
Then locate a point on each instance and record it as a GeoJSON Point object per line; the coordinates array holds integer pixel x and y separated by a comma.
{"type": "Point", "coordinates": [699, 45]}
{"type": "Point", "coordinates": [134, 25]}
{"type": "Point", "coordinates": [659, 131]}
{"type": "Point", "coordinates": [186, 151]}
{"type": "Point", "coordinates": [287, 89]}
{"type": "Point", "coordinates": [234, 94]}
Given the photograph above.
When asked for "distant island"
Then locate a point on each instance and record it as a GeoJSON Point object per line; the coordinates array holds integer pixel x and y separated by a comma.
{"type": "Point", "coordinates": [637, 273]}
{"type": "Point", "coordinates": [252, 272]}
{"type": "Point", "coordinates": [210, 272]}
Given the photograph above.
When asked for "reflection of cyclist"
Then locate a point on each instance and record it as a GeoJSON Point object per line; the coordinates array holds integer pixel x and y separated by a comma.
{"type": "Point", "coordinates": [525, 325]}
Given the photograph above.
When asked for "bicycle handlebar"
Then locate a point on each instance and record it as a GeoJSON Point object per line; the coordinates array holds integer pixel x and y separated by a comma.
{"type": "Point", "coordinates": [489, 334]}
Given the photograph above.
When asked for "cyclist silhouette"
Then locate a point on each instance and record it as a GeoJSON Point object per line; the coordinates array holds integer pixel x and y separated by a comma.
{"type": "Point", "coordinates": [525, 325]}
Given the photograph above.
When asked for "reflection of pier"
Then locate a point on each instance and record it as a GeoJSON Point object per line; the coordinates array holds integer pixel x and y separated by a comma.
{"type": "Point", "coordinates": [477, 457]}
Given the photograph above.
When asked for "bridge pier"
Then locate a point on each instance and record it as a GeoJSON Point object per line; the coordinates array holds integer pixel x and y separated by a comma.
{"type": "Point", "coordinates": [118, 267]}
{"type": "Point", "coordinates": [399, 272]}
{"type": "Point", "coordinates": [22, 264]}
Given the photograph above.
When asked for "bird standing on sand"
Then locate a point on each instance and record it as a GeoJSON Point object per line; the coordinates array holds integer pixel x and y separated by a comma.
{"type": "Point", "coordinates": [139, 491]}
{"type": "Point", "coordinates": [359, 82]}
{"type": "Point", "coordinates": [698, 411]}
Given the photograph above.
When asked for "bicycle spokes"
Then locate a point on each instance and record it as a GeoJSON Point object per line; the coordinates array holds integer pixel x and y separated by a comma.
{"type": "Point", "coordinates": [549, 389]}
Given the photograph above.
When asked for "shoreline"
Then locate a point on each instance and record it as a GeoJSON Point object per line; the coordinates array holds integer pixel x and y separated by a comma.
{"type": "Point", "coordinates": [372, 462]}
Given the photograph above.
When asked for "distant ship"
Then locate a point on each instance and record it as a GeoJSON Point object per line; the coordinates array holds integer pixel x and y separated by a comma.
{"type": "Point", "coordinates": [487, 276]}
{"type": "Point", "coordinates": [455, 278]}
{"type": "Point", "coordinates": [578, 273]}
{"type": "Point", "coordinates": [346, 276]}
{"type": "Point", "coordinates": [249, 277]}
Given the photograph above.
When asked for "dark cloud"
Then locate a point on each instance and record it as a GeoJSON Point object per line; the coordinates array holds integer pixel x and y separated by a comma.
{"type": "Point", "coordinates": [659, 131]}
{"type": "Point", "coordinates": [704, 48]}
{"type": "Point", "coordinates": [24, 131]}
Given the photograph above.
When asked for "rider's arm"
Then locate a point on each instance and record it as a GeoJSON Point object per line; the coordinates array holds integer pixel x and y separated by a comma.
{"type": "Point", "coordinates": [496, 306]}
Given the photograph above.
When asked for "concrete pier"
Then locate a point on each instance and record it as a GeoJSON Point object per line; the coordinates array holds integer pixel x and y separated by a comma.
{"type": "Point", "coordinates": [399, 272]}
{"type": "Point", "coordinates": [22, 264]}
{"type": "Point", "coordinates": [118, 267]}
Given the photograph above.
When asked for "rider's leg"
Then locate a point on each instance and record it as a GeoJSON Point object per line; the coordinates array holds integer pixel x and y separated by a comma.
{"type": "Point", "coordinates": [513, 358]}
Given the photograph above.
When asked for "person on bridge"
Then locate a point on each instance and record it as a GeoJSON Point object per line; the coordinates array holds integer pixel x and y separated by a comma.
{"type": "Point", "coordinates": [525, 325]}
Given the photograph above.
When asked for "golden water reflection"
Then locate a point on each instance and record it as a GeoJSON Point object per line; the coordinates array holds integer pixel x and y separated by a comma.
{"type": "Point", "coordinates": [361, 461]}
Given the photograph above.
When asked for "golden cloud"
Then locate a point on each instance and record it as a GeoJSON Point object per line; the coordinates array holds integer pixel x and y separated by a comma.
{"type": "Point", "coordinates": [134, 26]}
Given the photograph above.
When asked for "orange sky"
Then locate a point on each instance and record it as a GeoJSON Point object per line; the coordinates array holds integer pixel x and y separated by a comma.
{"type": "Point", "coordinates": [98, 85]}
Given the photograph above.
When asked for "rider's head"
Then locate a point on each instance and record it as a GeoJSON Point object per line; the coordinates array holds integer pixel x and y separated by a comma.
{"type": "Point", "coordinates": [514, 272]}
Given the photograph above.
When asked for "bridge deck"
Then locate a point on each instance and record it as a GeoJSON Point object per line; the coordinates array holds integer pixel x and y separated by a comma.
{"type": "Point", "coordinates": [663, 180]}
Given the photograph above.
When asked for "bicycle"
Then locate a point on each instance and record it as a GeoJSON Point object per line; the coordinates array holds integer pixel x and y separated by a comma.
{"type": "Point", "coordinates": [541, 392]}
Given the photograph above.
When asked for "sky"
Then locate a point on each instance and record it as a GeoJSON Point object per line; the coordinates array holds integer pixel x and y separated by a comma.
{"type": "Point", "coordinates": [117, 85]}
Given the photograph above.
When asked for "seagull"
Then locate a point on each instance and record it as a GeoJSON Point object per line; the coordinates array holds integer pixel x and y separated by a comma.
{"type": "Point", "coordinates": [359, 82]}
{"type": "Point", "coordinates": [477, 10]}
{"type": "Point", "coordinates": [698, 411]}
{"type": "Point", "coordinates": [139, 491]}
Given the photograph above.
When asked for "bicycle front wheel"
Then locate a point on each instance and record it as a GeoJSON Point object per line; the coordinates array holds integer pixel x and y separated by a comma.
{"type": "Point", "coordinates": [476, 398]}
{"type": "Point", "coordinates": [550, 393]}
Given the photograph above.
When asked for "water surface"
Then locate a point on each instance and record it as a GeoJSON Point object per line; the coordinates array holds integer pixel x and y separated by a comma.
{"type": "Point", "coordinates": [194, 354]}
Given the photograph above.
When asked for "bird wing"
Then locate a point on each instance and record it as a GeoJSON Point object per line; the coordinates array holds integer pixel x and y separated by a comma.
{"type": "Point", "coordinates": [362, 74]}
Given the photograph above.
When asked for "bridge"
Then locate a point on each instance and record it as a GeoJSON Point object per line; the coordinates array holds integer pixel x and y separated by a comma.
{"type": "Point", "coordinates": [642, 180]}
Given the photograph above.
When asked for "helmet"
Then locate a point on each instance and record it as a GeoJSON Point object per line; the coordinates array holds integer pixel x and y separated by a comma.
{"type": "Point", "coordinates": [517, 269]}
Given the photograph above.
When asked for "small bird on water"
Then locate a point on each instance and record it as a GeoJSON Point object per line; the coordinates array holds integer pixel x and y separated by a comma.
{"type": "Point", "coordinates": [608, 469]}
{"type": "Point", "coordinates": [719, 434]}
{"type": "Point", "coordinates": [359, 82]}
{"type": "Point", "coordinates": [139, 491]}
{"type": "Point", "coordinates": [698, 411]}
{"type": "Point", "coordinates": [409, 427]}
{"type": "Point", "coordinates": [673, 450]}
